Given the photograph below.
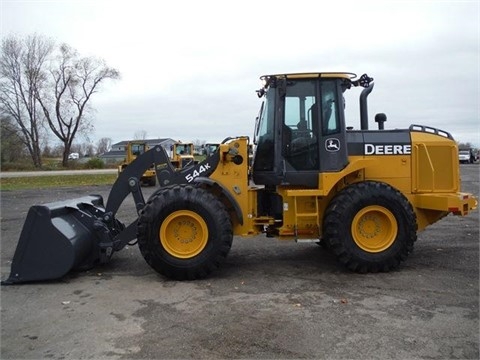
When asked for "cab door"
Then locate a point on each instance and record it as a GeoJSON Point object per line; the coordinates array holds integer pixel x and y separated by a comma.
{"type": "Point", "coordinates": [300, 132]}
{"type": "Point", "coordinates": [332, 134]}
{"type": "Point", "coordinates": [299, 152]}
{"type": "Point", "coordinates": [314, 130]}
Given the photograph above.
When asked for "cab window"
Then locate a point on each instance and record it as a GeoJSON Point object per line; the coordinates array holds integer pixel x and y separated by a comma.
{"type": "Point", "coordinates": [329, 108]}
{"type": "Point", "coordinates": [138, 149]}
{"type": "Point", "coordinates": [299, 142]}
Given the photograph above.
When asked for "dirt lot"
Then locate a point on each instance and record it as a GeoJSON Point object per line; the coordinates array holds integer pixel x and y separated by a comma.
{"type": "Point", "coordinates": [270, 300]}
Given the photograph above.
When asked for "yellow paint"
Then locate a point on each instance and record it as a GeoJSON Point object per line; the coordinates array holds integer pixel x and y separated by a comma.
{"type": "Point", "coordinates": [428, 178]}
{"type": "Point", "coordinates": [184, 234]}
{"type": "Point", "coordinates": [374, 229]}
{"type": "Point", "coordinates": [150, 174]}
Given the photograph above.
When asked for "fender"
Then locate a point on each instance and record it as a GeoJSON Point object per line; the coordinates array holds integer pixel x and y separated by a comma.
{"type": "Point", "coordinates": [228, 195]}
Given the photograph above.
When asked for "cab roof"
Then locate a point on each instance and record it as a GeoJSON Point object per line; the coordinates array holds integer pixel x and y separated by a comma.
{"type": "Point", "coordinates": [342, 75]}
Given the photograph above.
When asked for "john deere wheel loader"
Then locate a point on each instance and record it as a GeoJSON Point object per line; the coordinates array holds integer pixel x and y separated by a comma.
{"type": "Point", "coordinates": [364, 193]}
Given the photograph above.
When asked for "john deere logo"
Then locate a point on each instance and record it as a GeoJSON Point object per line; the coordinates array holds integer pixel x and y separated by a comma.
{"type": "Point", "coordinates": [332, 145]}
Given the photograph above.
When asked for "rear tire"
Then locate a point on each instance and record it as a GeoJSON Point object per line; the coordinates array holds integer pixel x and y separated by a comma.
{"type": "Point", "coordinates": [184, 233]}
{"type": "Point", "coordinates": [370, 227]}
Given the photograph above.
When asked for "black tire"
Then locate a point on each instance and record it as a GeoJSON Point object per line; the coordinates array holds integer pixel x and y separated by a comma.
{"type": "Point", "coordinates": [199, 232]}
{"type": "Point", "coordinates": [323, 244]}
{"type": "Point", "coordinates": [370, 227]}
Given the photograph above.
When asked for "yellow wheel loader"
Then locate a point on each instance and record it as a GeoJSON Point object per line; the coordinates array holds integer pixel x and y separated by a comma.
{"type": "Point", "coordinates": [182, 155]}
{"type": "Point", "coordinates": [133, 149]}
{"type": "Point", "coordinates": [364, 193]}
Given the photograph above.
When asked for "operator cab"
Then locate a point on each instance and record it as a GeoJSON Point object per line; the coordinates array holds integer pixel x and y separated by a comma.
{"type": "Point", "coordinates": [300, 130]}
{"type": "Point", "coordinates": [138, 149]}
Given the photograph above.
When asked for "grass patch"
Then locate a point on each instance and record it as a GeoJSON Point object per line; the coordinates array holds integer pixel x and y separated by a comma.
{"type": "Point", "coordinates": [43, 182]}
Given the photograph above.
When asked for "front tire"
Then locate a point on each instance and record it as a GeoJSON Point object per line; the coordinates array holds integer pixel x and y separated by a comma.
{"type": "Point", "coordinates": [370, 227]}
{"type": "Point", "coordinates": [184, 233]}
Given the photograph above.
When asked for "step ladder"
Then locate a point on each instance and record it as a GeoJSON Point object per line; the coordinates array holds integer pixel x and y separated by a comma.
{"type": "Point", "coordinates": [312, 215]}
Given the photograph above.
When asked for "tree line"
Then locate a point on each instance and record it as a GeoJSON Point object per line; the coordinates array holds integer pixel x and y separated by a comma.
{"type": "Point", "coordinates": [45, 92]}
{"type": "Point", "coordinates": [13, 150]}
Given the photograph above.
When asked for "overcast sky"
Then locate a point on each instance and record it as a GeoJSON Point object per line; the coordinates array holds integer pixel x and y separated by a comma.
{"type": "Point", "coordinates": [190, 68]}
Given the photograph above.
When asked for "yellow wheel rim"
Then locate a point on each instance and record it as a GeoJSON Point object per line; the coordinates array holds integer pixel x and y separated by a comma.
{"type": "Point", "coordinates": [374, 229]}
{"type": "Point", "coordinates": [184, 234]}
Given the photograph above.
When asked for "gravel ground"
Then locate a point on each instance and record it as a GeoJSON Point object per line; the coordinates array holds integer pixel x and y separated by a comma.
{"type": "Point", "coordinates": [270, 300]}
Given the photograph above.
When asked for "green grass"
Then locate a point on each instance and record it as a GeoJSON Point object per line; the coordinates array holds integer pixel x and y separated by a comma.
{"type": "Point", "coordinates": [43, 182]}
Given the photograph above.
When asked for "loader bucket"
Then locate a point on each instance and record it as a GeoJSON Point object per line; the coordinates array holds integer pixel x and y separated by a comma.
{"type": "Point", "coordinates": [59, 237]}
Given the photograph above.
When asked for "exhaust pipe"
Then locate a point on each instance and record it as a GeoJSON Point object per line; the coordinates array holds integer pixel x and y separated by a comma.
{"type": "Point", "coordinates": [363, 107]}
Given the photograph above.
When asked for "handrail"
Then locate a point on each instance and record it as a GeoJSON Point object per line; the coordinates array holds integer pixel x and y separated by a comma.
{"type": "Point", "coordinates": [431, 130]}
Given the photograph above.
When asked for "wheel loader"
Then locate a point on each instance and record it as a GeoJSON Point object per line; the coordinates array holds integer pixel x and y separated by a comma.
{"type": "Point", "coordinates": [182, 155]}
{"type": "Point", "coordinates": [133, 149]}
{"type": "Point", "coordinates": [363, 193]}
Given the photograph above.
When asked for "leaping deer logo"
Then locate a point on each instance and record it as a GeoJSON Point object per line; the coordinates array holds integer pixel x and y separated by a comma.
{"type": "Point", "coordinates": [332, 144]}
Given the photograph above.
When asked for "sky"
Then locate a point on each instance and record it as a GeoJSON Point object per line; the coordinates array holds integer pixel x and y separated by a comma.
{"type": "Point", "coordinates": [189, 69]}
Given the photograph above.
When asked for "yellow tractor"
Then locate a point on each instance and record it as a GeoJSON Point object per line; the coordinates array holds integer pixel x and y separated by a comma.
{"type": "Point", "coordinates": [133, 149]}
{"type": "Point", "coordinates": [364, 193]}
{"type": "Point", "coordinates": [182, 155]}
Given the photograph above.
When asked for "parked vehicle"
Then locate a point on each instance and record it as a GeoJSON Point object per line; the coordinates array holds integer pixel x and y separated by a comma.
{"type": "Point", "coordinates": [466, 156]}
{"type": "Point", "coordinates": [182, 155]}
{"type": "Point", "coordinates": [133, 150]}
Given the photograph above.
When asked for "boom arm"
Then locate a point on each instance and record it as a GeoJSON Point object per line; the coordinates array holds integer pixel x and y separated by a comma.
{"type": "Point", "coordinates": [129, 182]}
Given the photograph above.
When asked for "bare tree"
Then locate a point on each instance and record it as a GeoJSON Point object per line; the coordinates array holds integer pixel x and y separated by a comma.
{"type": "Point", "coordinates": [104, 145]}
{"type": "Point", "coordinates": [11, 145]}
{"type": "Point", "coordinates": [35, 91]}
{"type": "Point", "coordinates": [47, 151]}
{"type": "Point", "coordinates": [57, 150]}
{"type": "Point", "coordinates": [90, 150]}
{"type": "Point", "coordinates": [198, 145]}
{"type": "Point", "coordinates": [75, 148]}
{"type": "Point", "coordinates": [467, 145]}
{"type": "Point", "coordinates": [22, 74]}
{"type": "Point", "coordinates": [140, 135]}
{"type": "Point", "coordinates": [75, 80]}
{"type": "Point", "coordinates": [198, 142]}
{"type": "Point", "coordinates": [85, 148]}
